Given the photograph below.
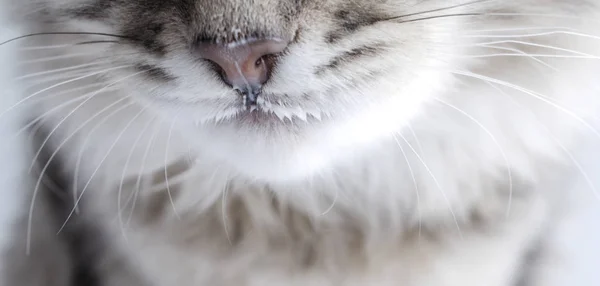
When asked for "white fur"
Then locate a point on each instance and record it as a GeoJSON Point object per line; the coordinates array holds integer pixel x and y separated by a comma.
{"type": "Point", "coordinates": [421, 147]}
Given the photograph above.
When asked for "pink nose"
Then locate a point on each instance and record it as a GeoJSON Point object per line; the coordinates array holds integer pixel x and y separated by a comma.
{"type": "Point", "coordinates": [244, 65]}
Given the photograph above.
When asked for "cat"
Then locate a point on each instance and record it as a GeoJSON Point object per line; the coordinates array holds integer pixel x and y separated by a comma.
{"type": "Point", "coordinates": [303, 142]}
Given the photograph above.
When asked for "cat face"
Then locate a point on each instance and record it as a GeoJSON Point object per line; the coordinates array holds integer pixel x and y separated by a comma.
{"type": "Point", "coordinates": [278, 89]}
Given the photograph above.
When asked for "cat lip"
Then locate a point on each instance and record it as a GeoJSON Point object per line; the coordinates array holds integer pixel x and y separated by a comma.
{"type": "Point", "coordinates": [254, 115]}
{"type": "Point", "coordinates": [263, 115]}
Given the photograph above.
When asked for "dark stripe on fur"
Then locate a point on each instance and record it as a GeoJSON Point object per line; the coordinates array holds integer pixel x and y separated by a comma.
{"type": "Point", "coordinates": [351, 19]}
{"type": "Point", "coordinates": [350, 56]}
{"type": "Point", "coordinates": [154, 72]}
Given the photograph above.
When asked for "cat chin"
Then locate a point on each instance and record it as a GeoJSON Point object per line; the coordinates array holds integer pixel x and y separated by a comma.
{"type": "Point", "coordinates": [256, 159]}
{"type": "Point", "coordinates": [288, 157]}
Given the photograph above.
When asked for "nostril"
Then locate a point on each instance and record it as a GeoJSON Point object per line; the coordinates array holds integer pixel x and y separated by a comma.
{"type": "Point", "coordinates": [259, 62]}
{"type": "Point", "coordinates": [246, 65]}
{"type": "Point", "coordinates": [244, 57]}
{"type": "Point", "coordinates": [216, 68]}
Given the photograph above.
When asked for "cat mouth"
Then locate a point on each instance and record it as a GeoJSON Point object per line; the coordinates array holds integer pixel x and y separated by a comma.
{"type": "Point", "coordinates": [253, 115]}
{"type": "Point", "coordinates": [268, 110]}
{"type": "Point", "coordinates": [270, 114]}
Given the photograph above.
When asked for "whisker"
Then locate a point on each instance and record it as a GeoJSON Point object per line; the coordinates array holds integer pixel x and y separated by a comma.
{"type": "Point", "coordinates": [416, 185]}
{"type": "Point", "coordinates": [62, 46]}
{"type": "Point", "coordinates": [47, 165]}
{"type": "Point", "coordinates": [65, 33]}
{"type": "Point", "coordinates": [180, 178]}
{"type": "Point", "coordinates": [48, 80]}
{"type": "Point", "coordinates": [529, 56]}
{"type": "Point", "coordinates": [50, 111]}
{"type": "Point", "coordinates": [30, 60]}
{"type": "Point", "coordinates": [79, 158]}
{"type": "Point", "coordinates": [55, 58]}
{"type": "Point", "coordinates": [57, 107]}
{"type": "Point", "coordinates": [335, 199]}
{"type": "Point", "coordinates": [435, 10]}
{"type": "Point", "coordinates": [80, 105]}
{"type": "Point", "coordinates": [127, 162]}
{"type": "Point", "coordinates": [96, 42]}
{"type": "Point", "coordinates": [440, 17]}
{"type": "Point", "coordinates": [87, 184]}
{"type": "Point", "coordinates": [578, 165]}
{"type": "Point", "coordinates": [496, 142]}
{"type": "Point", "coordinates": [61, 84]}
{"type": "Point", "coordinates": [71, 90]}
{"type": "Point", "coordinates": [414, 135]}
{"type": "Point", "coordinates": [224, 212]}
{"type": "Point", "coordinates": [522, 53]}
{"type": "Point", "coordinates": [535, 45]}
{"type": "Point", "coordinates": [532, 35]}
{"type": "Point", "coordinates": [166, 164]}
{"type": "Point", "coordinates": [436, 182]}
{"type": "Point", "coordinates": [138, 183]}
{"type": "Point", "coordinates": [58, 70]}
{"type": "Point", "coordinates": [561, 16]}
{"type": "Point", "coordinates": [523, 29]}
{"type": "Point", "coordinates": [75, 199]}
{"type": "Point", "coordinates": [535, 95]}
{"type": "Point", "coordinates": [46, 47]}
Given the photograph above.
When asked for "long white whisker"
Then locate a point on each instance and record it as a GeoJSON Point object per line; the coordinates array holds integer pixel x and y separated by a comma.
{"type": "Point", "coordinates": [577, 18]}
{"type": "Point", "coordinates": [29, 222]}
{"type": "Point", "coordinates": [127, 162]}
{"type": "Point", "coordinates": [76, 171]}
{"type": "Point", "coordinates": [181, 178]}
{"type": "Point", "coordinates": [60, 84]}
{"type": "Point", "coordinates": [523, 53]}
{"type": "Point", "coordinates": [55, 58]}
{"type": "Point", "coordinates": [44, 169]}
{"type": "Point", "coordinates": [94, 94]}
{"type": "Point", "coordinates": [62, 46]}
{"type": "Point", "coordinates": [167, 146]}
{"type": "Point", "coordinates": [528, 55]}
{"type": "Point", "coordinates": [57, 78]}
{"type": "Point", "coordinates": [112, 146]}
{"type": "Point", "coordinates": [47, 47]}
{"type": "Point", "coordinates": [335, 199]}
{"type": "Point", "coordinates": [560, 145]}
{"type": "Point", "coordinates": [82, 147]}
{"type": "Point", "coordinates": [532, 35]}
{"type": "Point", "coordinates": [436, 182]}
{"type": "Point", "coordinates": [535, 45]}
{"type": "Point", "coordinates": [531, 93]}
{"type": "Point", "coordinates": [68, 91]}
{"type": "Point", "coordinates": [551, 28]}
{"type": "Point", "coordinates": [496, 142]}
{"type": "Point", "coordinates": [224, 213]}
{"type": "Point", "coordinates": [63, 69]}
{"type": "Point", "coordinates": [414, 135]}
{"type": "Point", "coordinates": [50, 111]}
{"type": "Point", "coordinates": [138, 181]}
{"type": "Point", "coordinates": [416, 185]}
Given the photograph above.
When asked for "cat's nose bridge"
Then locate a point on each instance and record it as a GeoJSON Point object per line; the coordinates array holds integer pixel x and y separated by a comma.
{"type": "Point", "coordinates": [244, 65]}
